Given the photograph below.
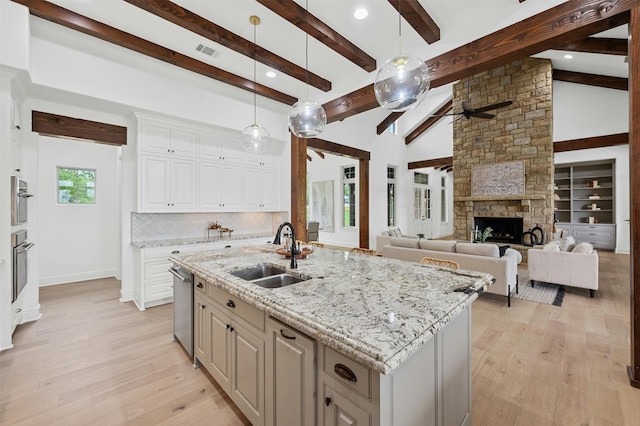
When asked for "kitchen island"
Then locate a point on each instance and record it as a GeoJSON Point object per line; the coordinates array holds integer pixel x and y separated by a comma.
{"type": "Point", "coordinates": [390, 339]}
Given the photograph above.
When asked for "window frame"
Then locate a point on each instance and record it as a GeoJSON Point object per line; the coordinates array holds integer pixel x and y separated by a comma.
{"type": "Point", "coordinates": [85, 188]}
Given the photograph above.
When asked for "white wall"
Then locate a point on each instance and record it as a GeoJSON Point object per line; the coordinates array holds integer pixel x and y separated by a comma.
{"type": "Point", "coordinates": [78, 241]}
{"type": "Point", "coordinates": [581, 111]}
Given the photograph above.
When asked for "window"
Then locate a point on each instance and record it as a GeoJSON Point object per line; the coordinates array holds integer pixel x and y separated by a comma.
{"type": "Point", "coordinates": [393, 128]}
{"type": "Point", "coordinates": [349, 196]}
{"type": "Point", "coordinates": [443, 200]}
{"type": "Point", "coordinates": [391, 196]}
{"type": "Point", "coordinates": [421, 178]}
{"type": "Point", "coordinates": [76, 186]}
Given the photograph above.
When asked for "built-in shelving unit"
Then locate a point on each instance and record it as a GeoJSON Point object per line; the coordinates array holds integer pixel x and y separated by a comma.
{"type": "Point", "coordinates": [584, 201]}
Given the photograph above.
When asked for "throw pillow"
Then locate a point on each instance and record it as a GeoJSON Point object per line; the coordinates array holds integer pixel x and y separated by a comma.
{"type": "Point", "coordinates": [438, 245]}
{"type": "Point", "coordinates": [552, 246]}
{"type": "Point", "coordinates": [583, 247]}
{"type": "Point", "coordinates": [503, 249]}
{"type": "Point", "coordinates": [567, 243]}
{"type": "Point", "coordinates": [395, 232]}
{"type": "Point", "coordinates": [489, 250]}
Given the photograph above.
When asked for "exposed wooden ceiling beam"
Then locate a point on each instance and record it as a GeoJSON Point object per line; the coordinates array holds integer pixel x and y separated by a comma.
{"type": "Point", "coordinates": [606, 81]}
{"type": "Point", "coordinates": [436, 162]}
{"type": "Point", "coordinates": [606, 46]}
{"type": "Point", "coordinates": [593, 142]}
{"type": "Point", "coordinates": [75, 128]}
{"type": "Point", "coordinates": [294, 13]}
{"type": "Point", "coordinates": [558, 26]}
{"type": "Point", "coordinates": [59, 15]}
{"type": "Point", "coordinates": [384, 125]}
{"type": "Point", "coordinates": [319, 154]}
{"type": "Point", "coordinates": [309, 158]}
{"type": "Point", "coordinates": [199, 25]}
{"type": "Point", "coordinates": [337, 149]}
{"type": "Point", "coordinates": [413, 12]}
{"type": "Point", "coordinates": [430, 121]}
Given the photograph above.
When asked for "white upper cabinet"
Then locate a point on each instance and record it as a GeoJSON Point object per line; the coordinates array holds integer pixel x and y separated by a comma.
{"type": "Point", "coordinates": [162, 140]}
{"type": "Point", "coordinates": [194, 168]}
{"type": "Point", "coordinates": [217, 147]}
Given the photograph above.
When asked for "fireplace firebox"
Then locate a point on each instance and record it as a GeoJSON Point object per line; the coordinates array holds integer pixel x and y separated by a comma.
{"type": "Point", "coordinates": [505, 229]}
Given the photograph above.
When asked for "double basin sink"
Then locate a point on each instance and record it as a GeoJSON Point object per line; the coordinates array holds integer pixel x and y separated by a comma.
{"type": "Point", "coordinates": [268, 276]}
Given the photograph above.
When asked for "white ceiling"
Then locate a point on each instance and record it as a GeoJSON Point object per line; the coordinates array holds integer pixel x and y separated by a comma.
{"type": "Point", "coordinates": [460, 22]}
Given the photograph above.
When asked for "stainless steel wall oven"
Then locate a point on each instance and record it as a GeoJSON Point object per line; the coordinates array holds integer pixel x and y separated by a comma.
{"type": "Point", "coordinates": [20, 248]}
{"type": "Point", "coordinates": [19, 195]}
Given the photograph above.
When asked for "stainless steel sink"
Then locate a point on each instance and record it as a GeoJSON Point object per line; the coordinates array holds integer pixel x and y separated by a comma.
{"type": "Point", "coordinates": [276, 281]}
{"type": "Point", "coordinates": [268, 276]}
{"type": "Point", "coordinates": [257, 272]}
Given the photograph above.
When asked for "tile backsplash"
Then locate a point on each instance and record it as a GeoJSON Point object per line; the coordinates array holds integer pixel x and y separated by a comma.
{"type": "Point", "coordinates": [164, 226]}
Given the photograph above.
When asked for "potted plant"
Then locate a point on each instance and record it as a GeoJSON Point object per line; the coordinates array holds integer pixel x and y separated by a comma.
{"type": "Point", "coordinates": [486, 233]}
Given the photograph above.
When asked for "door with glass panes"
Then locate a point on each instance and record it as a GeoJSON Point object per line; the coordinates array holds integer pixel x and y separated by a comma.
{"type": "Point", "coordinates": [422, 206]}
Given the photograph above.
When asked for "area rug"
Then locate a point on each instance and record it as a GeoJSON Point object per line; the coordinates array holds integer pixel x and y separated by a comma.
{"type": "Point", "coordinates": [550, 294]}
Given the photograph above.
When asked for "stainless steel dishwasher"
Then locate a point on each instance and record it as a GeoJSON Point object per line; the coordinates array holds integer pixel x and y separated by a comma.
{"type": "Point", "coordinates": [183, 307]}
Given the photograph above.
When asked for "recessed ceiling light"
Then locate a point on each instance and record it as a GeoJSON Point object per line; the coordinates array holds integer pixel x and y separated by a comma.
{"type": "Point", "coordinates": [270, 74]}
{"type": "Point", "coordinates": [568, 56]}
{"type": "Point", "coordinates": [361, 13]}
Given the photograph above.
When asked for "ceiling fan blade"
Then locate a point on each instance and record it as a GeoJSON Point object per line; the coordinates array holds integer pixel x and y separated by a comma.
{"type": "Point", "coordinates": [493, 106]}
{"type": "Point", "coordinates": [482, 115]}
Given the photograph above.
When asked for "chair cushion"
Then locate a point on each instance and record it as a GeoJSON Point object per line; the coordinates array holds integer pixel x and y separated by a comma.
{"type": "Point", "coordinates": [395, 232]}
{"type": "Point", "coordinates": [583, 247]}
{"type": "Point", "coordinates": [488, 250]}
{"type": "Point", "coordinates": [404, 242]}
{"type": "Point", "coordinates": [567, 243]}
{"type": "Point", "coordinates": [439, 245]}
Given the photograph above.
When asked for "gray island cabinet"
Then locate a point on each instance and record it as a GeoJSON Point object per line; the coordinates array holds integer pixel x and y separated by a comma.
{"type": "Point", "coordinates": [362, 340]}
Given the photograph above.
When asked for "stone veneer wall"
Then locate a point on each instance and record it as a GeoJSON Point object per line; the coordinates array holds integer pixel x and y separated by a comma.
{"type": "Point", "coordinates": [521, 131]}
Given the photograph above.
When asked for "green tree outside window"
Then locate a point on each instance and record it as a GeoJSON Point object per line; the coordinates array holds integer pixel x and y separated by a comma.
{"type": "Point", "coordinates": [76, 186]}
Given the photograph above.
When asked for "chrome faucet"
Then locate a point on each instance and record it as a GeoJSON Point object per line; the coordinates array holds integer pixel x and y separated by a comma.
{"type": "Point", "coordinates": [294, 251]}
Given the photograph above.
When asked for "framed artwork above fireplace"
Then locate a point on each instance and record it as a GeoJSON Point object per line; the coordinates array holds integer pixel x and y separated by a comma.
{"type": "Point", "coordinates": [498, 179]}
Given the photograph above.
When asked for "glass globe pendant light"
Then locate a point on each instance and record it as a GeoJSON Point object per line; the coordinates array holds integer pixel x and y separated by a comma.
{"type": "Point", "coordinates": [255, 138]}
{"type": "Point", "coordinates": [307, 118]}
{"type": "Point", "coordinates": [402, 82]}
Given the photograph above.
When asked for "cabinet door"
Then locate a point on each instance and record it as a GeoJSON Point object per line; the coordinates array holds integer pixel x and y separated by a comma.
{"type": "Point", "coordinates": [183, 184]}
{"type": "Point", "coordinates": [231, 186]}
{"type": "Point", "coordinates": [209, 186]}
{"type": "Point", "coordinates": [218, 350]}
{"type": "Point", "coordinates": [270, 191]}
{"type": "Point", "coordinates": [154, 139]}
{"type": "Point", "coordinates": [267, 158]}
{"type": "Point", "coordinates": [231, 150]}
{"type": "Point", "coordinates": [248, 373]}
{"type": "Point", "coordinates": [155, 191]}
{"type": "Point", "coordinates": [16, 152]}
{"type": "Point", "coordinates": [200, 315]}
{"type": "Point", "coordinates": [340, 411]}
{"type": "Point", "coordinates": [290, 378]}
{"type": "Point", "coordinates": [252, 189]}
{"type": "Point", "coordinates": [183, 143]}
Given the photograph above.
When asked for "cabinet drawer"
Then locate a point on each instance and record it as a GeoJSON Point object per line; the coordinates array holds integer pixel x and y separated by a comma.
{"type": "Point", "coordinates": [233, 305]}
{"type": "Point", "coordinates": [347, 372]}
{"type": "Point", "coordinates": [158, 289]}
{"type": "Point", "coordinates": [199, 285]}
{"type": "Point", "coordinates": [593, 231]}
{"type": "Point", "coordinates": [157, 270]}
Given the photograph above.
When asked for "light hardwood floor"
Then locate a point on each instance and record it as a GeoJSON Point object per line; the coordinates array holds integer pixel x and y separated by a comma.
{"type": "Point", "coordinates": [92, 360]}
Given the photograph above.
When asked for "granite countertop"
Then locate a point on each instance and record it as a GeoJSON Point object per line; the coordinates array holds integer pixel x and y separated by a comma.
{"type": "Point", "coordinates": [199, 240]}
{"type": "Point", "coordinates": [375, 310]}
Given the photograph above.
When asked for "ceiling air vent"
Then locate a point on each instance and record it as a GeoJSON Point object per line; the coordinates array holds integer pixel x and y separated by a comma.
{"type": "Point", "coordinates": [208, 51]}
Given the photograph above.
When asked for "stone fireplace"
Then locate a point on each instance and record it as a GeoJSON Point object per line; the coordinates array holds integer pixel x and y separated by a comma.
{"type": "Point", "coordinates": [520, 132]}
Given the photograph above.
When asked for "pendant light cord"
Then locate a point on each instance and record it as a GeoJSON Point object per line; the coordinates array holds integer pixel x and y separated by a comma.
{"type": "Point", "coordinates": [306, 44]}
{"type": "Point", "coordinates": [255, 97]}
{"type": "Point", "coordinates": [400, 26]}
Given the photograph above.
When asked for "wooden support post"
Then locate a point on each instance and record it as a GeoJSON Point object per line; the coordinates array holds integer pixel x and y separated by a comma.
{"type": "Point", "coordinates": [634, 184]}
{"type": "Point", "coordinates": [364, 202]}
{"type": "Point", "coordinates": [299, 186]}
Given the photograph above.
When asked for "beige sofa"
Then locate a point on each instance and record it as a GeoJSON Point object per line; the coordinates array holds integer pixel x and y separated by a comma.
{"type": "Point", "coordinates": [577, 268]}
{"type": "Point", "coordinates": [475, 257]}
{"type": "Point", "coordinates": [385, 237]}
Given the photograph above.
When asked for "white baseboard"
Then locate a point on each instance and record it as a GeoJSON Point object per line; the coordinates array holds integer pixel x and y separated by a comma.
{"type": "Point", "coordinates": [623, 251]}
{"type": "Point", "coordinates": [31, 314]}
{"type": "Point", "coordinates": [72, 278]}
{"type": "Point", "coordinates": [126, 296]}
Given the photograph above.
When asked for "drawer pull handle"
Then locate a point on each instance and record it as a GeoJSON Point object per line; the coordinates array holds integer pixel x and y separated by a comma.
{"type": "Point", "coordinates": [345, 372]}
{"type": "Point", "coordinates": [327, 401]}
{"type": "Point", "coordinates": [231, 304]}
{"type": "Point", "coordinates": [199, 285]}
{"type": "Point", "coordinates": [287, 337]}
{"type": "Point", "coordinates": [175, 252]}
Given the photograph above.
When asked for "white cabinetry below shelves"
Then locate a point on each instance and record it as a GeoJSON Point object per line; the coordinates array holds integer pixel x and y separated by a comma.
{"type": "Point", "coordinates": [261, 192]}
{"type": "Point", "coordinates": [168, 184]}
{"type": "Point", "coordinates": [220, 186]}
